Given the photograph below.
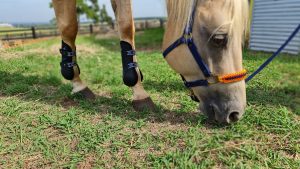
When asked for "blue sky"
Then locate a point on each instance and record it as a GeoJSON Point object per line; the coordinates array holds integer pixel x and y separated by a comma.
{"type": "Point", "coordinates": [30, 11]}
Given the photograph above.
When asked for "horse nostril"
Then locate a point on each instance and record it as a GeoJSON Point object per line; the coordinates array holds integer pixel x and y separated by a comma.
{"type": "Point", "coordinates": [233, 117]}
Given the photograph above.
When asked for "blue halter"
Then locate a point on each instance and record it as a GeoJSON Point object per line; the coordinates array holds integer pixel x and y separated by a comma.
{"type": "Point", "coordinates": [187, 39]}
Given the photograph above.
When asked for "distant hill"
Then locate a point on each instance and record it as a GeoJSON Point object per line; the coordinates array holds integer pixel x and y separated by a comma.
{"type": "Point", "coordinates": [6, 25]}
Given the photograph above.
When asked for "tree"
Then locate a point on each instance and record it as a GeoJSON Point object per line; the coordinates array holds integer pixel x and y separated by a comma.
{"type": "Point", "coordinates": [104, 17]}
{"type": "Point", "coordinates": [53, 21]}
{"type": "Point", "coordinates": [90, 8]}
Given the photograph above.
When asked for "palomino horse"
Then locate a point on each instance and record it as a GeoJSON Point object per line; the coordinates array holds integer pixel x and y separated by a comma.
{"type": "Point", "coordinates": [203, 40]}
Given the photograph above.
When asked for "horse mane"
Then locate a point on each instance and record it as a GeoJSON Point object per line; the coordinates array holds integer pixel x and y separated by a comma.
{"type": "Point", "coordinates": [179, 12]}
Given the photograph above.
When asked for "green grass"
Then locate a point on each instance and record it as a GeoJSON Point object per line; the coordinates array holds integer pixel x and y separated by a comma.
{"type": "Point", "coordinates": [42, 125]}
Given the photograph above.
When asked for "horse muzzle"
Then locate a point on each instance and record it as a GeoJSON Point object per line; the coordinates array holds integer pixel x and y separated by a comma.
{"type": "Point", "coordinates": [224, 113]}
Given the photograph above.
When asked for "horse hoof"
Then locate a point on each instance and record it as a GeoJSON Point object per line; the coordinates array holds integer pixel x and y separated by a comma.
{"type": "Point", "coordinates": [142, 105]}
{"type": "Point", "coordinates": [87, 94]}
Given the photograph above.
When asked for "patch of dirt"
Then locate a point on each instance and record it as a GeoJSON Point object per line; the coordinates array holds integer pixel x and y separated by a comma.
{"type": "Point", "coordinates": [32, 161]}
{"type": "Point", "coordinates": [28, 113]}
{"type": "Point", "coordinates": [82, 49]}
{"type": "Point", "coordinates": [96, 119]}
{"type": "Point", "coordinates": [297, 117]}
{"type": "Point", "coordinates": [292, 156]}
{"type": "Point", "coordinates": [85, 50]}
{"type": "Point", "coordinates": [105, 94]}
{"type": "Point", "coordinates": [181, 144]}
{"type": "Point", "coordinates": [16, 43]}
{"type": "Point", "coordinates": [158, 128]}
{"type": "Point", "coordinates": [68, 103]}
{"type": "Point", "coordinates": [54, 49]}
{"type": "Point", "coordinates": [134, 156]}
{"type": "Point", "coordinates": [13, 43]}
{"type": "Point", "coordinates": [10, 55]}
{"type": "Point", "coordinates": [74, 144]}
{"type": "Point", "coordinates": [6, 54]}
{"type": "Point", "coordinates": [109, 35]}
{"type": "Point", "coordinates": [107, 159]}
{"type": "Point", "coordinates": [87, 163]}
{"type": "Point", "coordinates": [175, 118]}
{"type": "Point", "coordinates": [53, 134]}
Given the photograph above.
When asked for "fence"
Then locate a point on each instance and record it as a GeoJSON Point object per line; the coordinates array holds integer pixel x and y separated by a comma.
{"type": "Point", "coordinates": [40, 32]}
{"type": "Point", "coordinates": [36, 32]}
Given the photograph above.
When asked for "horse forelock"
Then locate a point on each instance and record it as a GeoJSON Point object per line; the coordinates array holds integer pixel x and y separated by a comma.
{"type": "Point", "coordinates": [179, 12]}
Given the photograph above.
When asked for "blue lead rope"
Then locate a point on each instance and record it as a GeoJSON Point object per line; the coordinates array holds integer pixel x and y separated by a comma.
{"type": "Point", "coordinates": [267, 62]}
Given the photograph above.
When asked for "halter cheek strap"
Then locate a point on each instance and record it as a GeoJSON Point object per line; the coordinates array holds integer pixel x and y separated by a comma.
{"type": "Point", "coordinates": [187, 39]}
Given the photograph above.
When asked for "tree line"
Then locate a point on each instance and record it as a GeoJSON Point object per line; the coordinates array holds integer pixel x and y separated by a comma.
{"type": "Point", "coordinates": [92, 10]}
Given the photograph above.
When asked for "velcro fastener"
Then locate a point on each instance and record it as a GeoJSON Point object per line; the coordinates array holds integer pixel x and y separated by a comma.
{"type": "Point", "coordinates": [132, 65]}
{"type": "Point", "coordinates": [130, 53]}
{"type": "Point", "coordinates": [69, 64]}
{"type": "Point", "coordinates": [67, 53]}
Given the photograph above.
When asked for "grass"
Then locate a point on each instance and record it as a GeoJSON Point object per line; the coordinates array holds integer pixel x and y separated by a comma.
{"type": "Point", "coordinates": [43, 126]}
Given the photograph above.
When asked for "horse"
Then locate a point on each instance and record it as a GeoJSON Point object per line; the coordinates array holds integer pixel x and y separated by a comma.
{"type": "Point", "coordinates": [202, 42]}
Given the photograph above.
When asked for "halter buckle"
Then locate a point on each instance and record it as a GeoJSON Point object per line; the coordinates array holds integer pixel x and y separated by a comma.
{"type": "Point", "coordinates": [188, 37]}
{"type": "Point", "coordinates": [213, 80]}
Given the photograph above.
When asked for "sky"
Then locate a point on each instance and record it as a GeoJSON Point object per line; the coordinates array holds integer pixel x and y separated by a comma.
{"type": "Point", "coordinates": [36, 11]}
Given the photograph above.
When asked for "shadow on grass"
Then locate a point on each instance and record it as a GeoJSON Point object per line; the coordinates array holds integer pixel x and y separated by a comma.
{"type": "Point", "coordinates": [50, 90]}
{"type": "Point", "coordinates": [164, 86]}
{"type": "Point", "coordinates": [285, 96]}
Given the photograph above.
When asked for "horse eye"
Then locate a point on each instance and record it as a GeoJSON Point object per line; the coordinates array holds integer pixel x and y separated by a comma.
{"type": "Point", "coordinates": [219, 40]}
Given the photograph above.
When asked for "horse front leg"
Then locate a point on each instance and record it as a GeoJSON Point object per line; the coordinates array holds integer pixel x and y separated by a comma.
{"type": "Point", "coordinates": [132, 75]}
{"type": "Point", "coordinates": [65, 11]}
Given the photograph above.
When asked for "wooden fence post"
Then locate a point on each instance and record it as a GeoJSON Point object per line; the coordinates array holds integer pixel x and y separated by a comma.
{"type": "Point", "coordinates": [113, 25]}
{"type": "Point", "coordinates": [91, 29]}
{"type": "Point", "coordinates": [146, 24]}
{"type": "Point", "coordinates": [161, 21]}
{"type": "Point", "coordinates": [33, 32]}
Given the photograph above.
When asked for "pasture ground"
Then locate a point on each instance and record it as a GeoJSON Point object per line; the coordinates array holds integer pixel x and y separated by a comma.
{"type": "Point", "coordinates": [43, 126]}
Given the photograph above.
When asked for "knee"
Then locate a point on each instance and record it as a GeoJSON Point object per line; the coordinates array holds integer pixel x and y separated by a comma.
{"type": "Point", "coordinates": [68, 30]}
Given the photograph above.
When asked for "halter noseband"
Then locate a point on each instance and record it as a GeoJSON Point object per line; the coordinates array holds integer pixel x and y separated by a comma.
{"type": "Point", "coordinates": [187, 38]}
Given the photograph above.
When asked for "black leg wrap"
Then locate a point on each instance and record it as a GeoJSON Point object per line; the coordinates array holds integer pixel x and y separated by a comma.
{"type": "Point", "coordinates": [68, 64]}
{"type": "Point", "coordinates": [130, 75]}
